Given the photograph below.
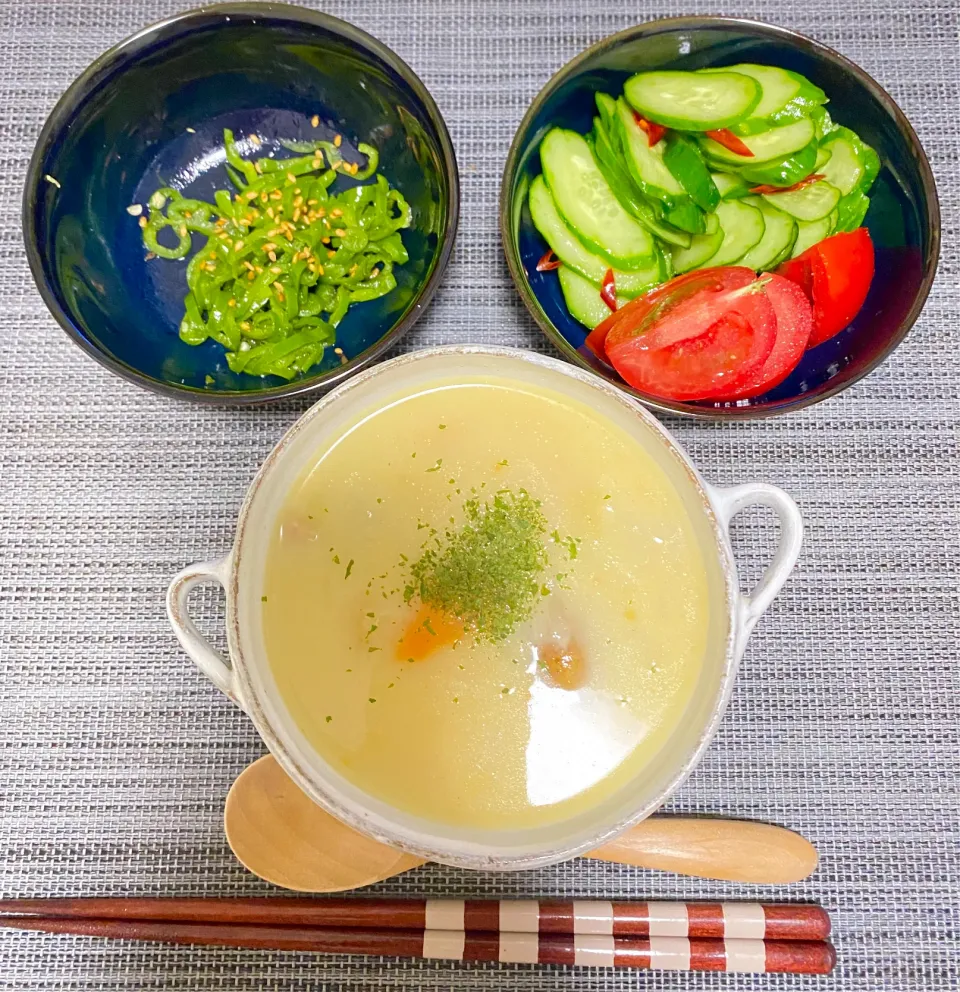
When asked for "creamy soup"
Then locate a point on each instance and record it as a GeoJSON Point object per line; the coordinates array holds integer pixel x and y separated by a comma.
{"type": "Point", "coordinates": [485, 604]}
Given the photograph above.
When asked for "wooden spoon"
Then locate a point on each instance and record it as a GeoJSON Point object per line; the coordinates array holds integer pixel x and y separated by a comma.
{"type": "Point", "coordinates": [280, 834]}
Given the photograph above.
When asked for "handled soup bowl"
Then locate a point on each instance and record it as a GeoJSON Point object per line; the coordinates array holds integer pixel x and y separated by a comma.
{"type": "Point", "coordinates": [246, 676]}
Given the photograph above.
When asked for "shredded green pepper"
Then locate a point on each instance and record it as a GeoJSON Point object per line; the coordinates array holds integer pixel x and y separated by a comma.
{"type": "Point", "coordinates": [284, 258]}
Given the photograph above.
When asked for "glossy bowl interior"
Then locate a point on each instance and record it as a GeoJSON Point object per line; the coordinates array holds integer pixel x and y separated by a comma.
{"type": "Point", "coordinates": [151, 112]}
{"type": "Point", "coordinates": [903, 219]}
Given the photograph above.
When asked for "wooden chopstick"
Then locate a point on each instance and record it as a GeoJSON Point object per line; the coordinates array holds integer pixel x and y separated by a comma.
{"type": "Point", "coordinates": [771, 921]}
{"type": "Point", "coordinates": [605, 950]}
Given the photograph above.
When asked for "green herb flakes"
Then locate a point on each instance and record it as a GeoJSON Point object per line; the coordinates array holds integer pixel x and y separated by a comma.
{"type": "Point", "coordinates": [263, 599]}
{"type": "Point", "coordinates": [486, 573]}
{"type": "Point", "coordinates": [349, 569]}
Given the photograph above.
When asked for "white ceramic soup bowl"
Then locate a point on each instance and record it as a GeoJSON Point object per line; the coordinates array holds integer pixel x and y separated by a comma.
{"type": "Point", "coordinates": [246, 677]}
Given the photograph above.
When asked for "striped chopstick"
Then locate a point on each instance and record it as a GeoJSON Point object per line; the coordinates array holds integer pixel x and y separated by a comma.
{"type": "Point", "coordinates": [716, 920]}
{"type": "Point", "coordinates": [603, 950]}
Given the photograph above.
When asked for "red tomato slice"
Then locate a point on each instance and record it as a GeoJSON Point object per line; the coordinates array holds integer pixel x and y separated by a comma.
{"type": "Point", "coordinates": [835, 274]}
{"type": "Point", "coordinates": [696, 337]}
{"type": "Point", "coordinates": [794, 327]}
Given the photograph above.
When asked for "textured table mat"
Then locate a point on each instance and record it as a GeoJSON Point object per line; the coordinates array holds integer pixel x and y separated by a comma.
{"type": "Point", "coordinates": [115, 754]}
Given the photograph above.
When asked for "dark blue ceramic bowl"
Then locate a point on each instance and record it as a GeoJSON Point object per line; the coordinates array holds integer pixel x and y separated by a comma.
{"type": "Point", "coordinates": [904, 216]}
{"type": "Point", "coordinates": [151, 112]}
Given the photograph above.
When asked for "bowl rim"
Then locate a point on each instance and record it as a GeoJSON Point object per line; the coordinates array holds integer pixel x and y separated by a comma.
{"type": "Point", "coordinates": [758, 28]}
{"type": "Point", "coordinates": [80, 90]}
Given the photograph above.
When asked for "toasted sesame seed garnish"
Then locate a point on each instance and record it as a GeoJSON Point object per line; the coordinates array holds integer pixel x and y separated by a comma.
{"type": "Point", "coordinates": [142, 222]}
{"type": "Point", "coordinates": [251, 276]}
{"type": "Point", "coordinates": [223, 236]}
{"type": "Point", "coordinates": [268, 246]}
{"type": "Point", "coordinates": [135, 209]}
{"type": "Point", "coordinates": [325, 241]}
{"type": "Point", "coordinates": [291, 178]}
{"type": "Point", "coordinates": [238, 246]}
{"type": "Point", "coordinates": [374, 273]}
{"type": "Point", "coordinates": [245, 325]}
{"type": "Point", "coordinates": [231, 302]}
{"type": "Point", "coordinates": [337, 141]}
{"type": "Point", "coordinates": [263, 197]}
{"type": "Point", "coordinates": [331, 254]}
{"type": "Point", "coordinates": [149, 256]}
{"type": "Point", "coordinates": [251, 194]}
{"type": "Point", "coordinates": [247, 265]}
{"type": "Point", "coordinates": [296, 215]}
{"type": "Point", "coordinates": [212, 255]}
{"type": "Point", "coordinates": [182, 230]}
{"type": "Point", "coordinates": [338, 351]}
{"type": "Point", "coordinates": [319, 268]}
{"type": "Point", "coordinates": [336, 212]}
{"type": "Point", "coordinates": [312, 203]}
{"type": "Point", "coordinates": [255, 140]}
{"type": "Point", "coordinates": [321, 211]}
{"type": "Point", "coordinates": [52, 181]}
{"type": "Point", "coordinates": [258, 167]}
{"type": "Point", "coordinates": [315, 120]}
{"type": "Point", "coordinates": [191, 130]}
{"type": "Point", "coordinates": [339, 232]}
{"type": "Point", "coordinates": [272, 255]}
{"type": "Point", "coordinates": [276, 269]}
{"type": "Point", "coordinates": [317, 163]}
{"type": "Point", "coordinates": [276, 195]}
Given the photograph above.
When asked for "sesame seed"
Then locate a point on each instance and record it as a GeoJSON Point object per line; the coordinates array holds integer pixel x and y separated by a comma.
{"type": "Point", "coordinates": [338, 351]}
{"type": "Point", "coordinates": [182, 230]}
{"type": "Point", "coordinates": [231, 302]}
{"type": "Point", "coordinates": [272, 255]}
{"type": "Point", "coordinates": [258, 168]}
{"type": "Point", "coordinates": [315, 120]}
{"type": "Point", "coordinates": [296, 215]}
{"type": "Point", "coordinates": [254, 140]}
{"type": "Point", "coordinates": [269, 246]}
{"type": "Point", "coordinates": [212, 255]}
{"type": "Point", "coordinates": [321, 211]}
{"type": "Point", "coordinates": [337, 141]}
{"type": "Point", "coordinates": [149, 255]}
{"type": "Point", "coordinates": [251, 276]}
{"type": "Point", "coordinates": [244, 325]}
{"type": "Point", "coordinates": [331, 254]}
{"type": "Point", "coordinates": [312, 203]}
{"type": "Point", "coordinates": [291, 178]}
{"type": "Point", "coordinates": [263, 197]}
{"type": "Point", "coordinates": [339, 232]}
{"type": "Point", "coordinates": [238, 246]}
{"type": "Point", "coordinates": [52, 181]}
{"type": "Point", "coordinates": [374, 273]}
{"type": "Point", "coordinates": [247, 265]}
{"type": "Point", "coordinates": [276, 270]}
{"type": "Point", "coordinates": [336, 212]}
{"type": "Point", "coordinates": [142, 222]}
{"type": "Point", "coordinates": [317, 163]}
{"type": "Point", "coordinates": [135, 209]}
{"type": "Point", "coordinates": [191, 130]}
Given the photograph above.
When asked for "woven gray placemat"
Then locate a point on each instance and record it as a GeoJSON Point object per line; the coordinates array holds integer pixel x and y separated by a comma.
{"type": "Point", "coordinates": [115, 754]}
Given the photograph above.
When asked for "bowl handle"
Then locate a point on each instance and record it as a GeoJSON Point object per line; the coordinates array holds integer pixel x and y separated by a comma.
{"type": "Point", "coordinates": [205, 656]}
{"type": "Point", "coordinates": [729, 501]}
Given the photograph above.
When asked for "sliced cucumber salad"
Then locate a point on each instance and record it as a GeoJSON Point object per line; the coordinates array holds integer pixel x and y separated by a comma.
{"type": "Point", "coordinates": [735, 165]}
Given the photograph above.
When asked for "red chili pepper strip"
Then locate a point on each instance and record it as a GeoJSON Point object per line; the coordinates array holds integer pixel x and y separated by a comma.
{"type": "Point", "coordinates": [608, 290]}
{"type": "Point", "coordinates": [730, 141]}
{"type": "Point", "coordinates": [809, 181]}
{"type": "Point", "coordinates": [548, 262]}
{"type": "Point", "coordinates": [653, 131]}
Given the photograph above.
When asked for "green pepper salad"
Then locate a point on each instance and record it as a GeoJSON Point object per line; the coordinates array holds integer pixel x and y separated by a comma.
{"type": "Point", "coordinates": [284, 257]}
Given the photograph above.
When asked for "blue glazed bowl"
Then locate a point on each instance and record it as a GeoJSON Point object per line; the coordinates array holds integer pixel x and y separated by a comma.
{"type": "Point", "coordinates": [152, 110]}
{"type": "Point", "coordinates": [904, 215]}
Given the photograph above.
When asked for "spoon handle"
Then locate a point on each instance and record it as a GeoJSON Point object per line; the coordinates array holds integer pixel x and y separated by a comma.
{"type": "Point", "coordinates": [732, 850]}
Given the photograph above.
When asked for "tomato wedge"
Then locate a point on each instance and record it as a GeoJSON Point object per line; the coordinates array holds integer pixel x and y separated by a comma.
{"type": "Point", "coordinates": [794, 327]}
{"type": "Point", "coordinates": [835, 274]}
{"type": "Point", "coordinates": [698, 336]}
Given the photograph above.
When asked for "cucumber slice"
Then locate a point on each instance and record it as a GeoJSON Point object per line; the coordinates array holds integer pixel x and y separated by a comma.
{"type": "Point", "coordinates": [823, 156]}
{"type": "Point", "coordinates": [702, 247]}
{"type": "Point", "coordinates": [767, 146]}
{"type": "Point", "coordinates": [779, 234]}
{"type": "Point", "coordinates": [583, 298]}
{"type": "Point", "coordinates": [644, 163]}
{"type": "Point", "coordinates": [823, 122]}
{"type": "Point", "coordinates": [872, 166]}
{"type": "Point", "coordinates": [611, 165]}
{"type": "Point", "coordinates": [685, 163]}
{"type": "Point", "coordinates": [808, 234]}
{"type": "Point", "coordinates": [785, 172]}
{"type": "Point", "coordinates": [566, 246]}
{"type": "Point", "coordinates": [851, 164]}
{"type": "Point", "coordinates": [730, 186]}
{"type": "Point", "coordinates": [851, 210]}
{"type": "Point", "coordinates": [777, 86]}
{"type": "Point", "coordinates": [813, 202]}
{"type": "Point", "coordinates": [607, 107]}
{"type": "Point", "coordinates": [742, 227]}
{"type": "Point", "coordinates": [588, 205]}
{"type": "Point", "coordinates": [693, 101]}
